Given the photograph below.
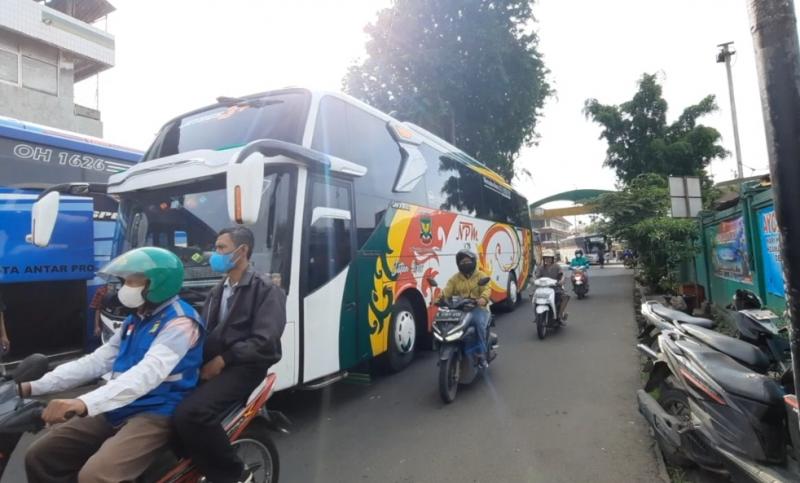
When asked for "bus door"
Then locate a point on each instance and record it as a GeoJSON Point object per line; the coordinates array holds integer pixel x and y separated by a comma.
{"type": "Point", "coordinates": [328, 303]}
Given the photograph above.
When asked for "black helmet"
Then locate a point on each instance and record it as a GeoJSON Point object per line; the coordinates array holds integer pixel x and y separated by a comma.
{"type": "Point", "coordinates": [578, 253]}
{"type": "Point", "coordinates": [467, 261]}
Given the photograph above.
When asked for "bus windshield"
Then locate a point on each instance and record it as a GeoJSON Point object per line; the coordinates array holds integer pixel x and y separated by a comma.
{"type": "Point", "coordinates": [186, 220]}
{"type": "Point", "coordinates": [234, 124]}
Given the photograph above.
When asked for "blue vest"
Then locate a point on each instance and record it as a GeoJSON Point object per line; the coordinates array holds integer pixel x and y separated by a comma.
{"type": "Point", "coordinates": [137, 336]}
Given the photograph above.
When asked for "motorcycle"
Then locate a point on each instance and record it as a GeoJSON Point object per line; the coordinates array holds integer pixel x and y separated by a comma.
{"type": "Point", "coordinates": [760, 347]}
{"type": "Point", "coordinates": [247, 425]}
{"type": "Point", "coordinates": [544, 304]}
{"type": "Point", "coordinates": [455, 338]}
{"type": "Point", "coordinates": [580, 282]}
{"type": "Point", "coordinates": [658, 318]}
{"type": "Point", "coordinates": [712, 411]}
{"type": "Point", "coordinates": [760, 326]}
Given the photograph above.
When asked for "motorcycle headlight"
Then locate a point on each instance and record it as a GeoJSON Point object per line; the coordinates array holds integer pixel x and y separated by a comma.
{"type": "Point", "coordinates": [454, 335]}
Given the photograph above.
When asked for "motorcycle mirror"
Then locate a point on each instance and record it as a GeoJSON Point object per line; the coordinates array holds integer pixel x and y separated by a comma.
{"type": "Point", "coordinates": [484, 281]}
{"type": "Point", "coordinates": [31, 368]}
{"type": "Point", "coordinates": [432, 282]}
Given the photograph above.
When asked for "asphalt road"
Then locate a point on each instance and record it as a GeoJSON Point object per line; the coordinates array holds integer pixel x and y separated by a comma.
{"type": "Point", "coordinates": [558, 410]}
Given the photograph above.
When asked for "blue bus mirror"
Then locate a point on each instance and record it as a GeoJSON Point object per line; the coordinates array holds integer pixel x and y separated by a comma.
{"type": "Point", "coordinates": [245, 181]}
{"type": "Point", "coordinates": [43, 219]}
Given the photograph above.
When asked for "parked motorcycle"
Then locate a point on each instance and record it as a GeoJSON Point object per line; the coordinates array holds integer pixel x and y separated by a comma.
{"type": "Point", "coordinates": [580, 281]}
{"type": "Point", "coordinates": [545, 308]}
{"type": "Point", "coordinates": [658, 318]}
{"type": "Point", "coordinates": [456, 340]}
{"type": "Point", "coordinates": [761, 327]}
{"type": "Point", "coordinates": [699, 329]}
{"type": "Point", "coordinates": [247, 426]}
{"type": "Point", "coordinates": [714, 412]}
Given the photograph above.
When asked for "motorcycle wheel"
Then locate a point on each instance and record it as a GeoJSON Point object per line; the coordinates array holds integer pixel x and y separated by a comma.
{"type": "Point", "coordinates": [581, 295]}
{"type": "Point", "coordinates": [542, 321]}
{"type": "Point", "coordinates": [256, 450]}
{"type": "Point", "coordinates": [676, 404]}
{"type": "Point", "coordinates": [448, 377]}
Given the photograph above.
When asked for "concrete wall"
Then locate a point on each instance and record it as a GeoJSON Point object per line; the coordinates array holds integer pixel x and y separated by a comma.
{"type": "Point", "coordinates": [37, 85]}
{"type": "Point", "coordinates": [57, 111]}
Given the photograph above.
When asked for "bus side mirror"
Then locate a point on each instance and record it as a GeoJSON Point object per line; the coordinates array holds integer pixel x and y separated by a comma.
{"type": "Point", "coordinates": [43, 219]}
{"type": "Point", "coordinates": [245, 182]}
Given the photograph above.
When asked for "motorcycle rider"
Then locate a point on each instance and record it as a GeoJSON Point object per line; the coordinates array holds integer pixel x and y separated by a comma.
{"type": "Point", "coordinates": [550, 269]}
{"type": "Point", "coordinates": [155, 361]}
{"type": "Point", "coordinates": [580, 262]}
{"type": "Point", "coordinates": [465, 284]}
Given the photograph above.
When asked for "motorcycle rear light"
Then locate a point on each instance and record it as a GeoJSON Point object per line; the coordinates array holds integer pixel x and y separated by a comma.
{"type": "Point", "coordinates": [698, 384]}
{"type": "Point", "coordinates": [791, 401]}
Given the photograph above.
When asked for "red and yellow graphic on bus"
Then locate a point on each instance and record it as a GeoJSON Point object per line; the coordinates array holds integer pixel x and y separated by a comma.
{"type": "Point", "coordinates": [421, 244]}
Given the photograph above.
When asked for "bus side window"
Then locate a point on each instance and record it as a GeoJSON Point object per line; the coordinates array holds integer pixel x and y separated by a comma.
{"type": "Point", "coordinates": [329, 233]}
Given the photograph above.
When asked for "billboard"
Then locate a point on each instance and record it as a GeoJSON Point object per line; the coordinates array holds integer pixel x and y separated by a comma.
{"type": "Point", "coordinates": [730, 258]}
{"type": "Point", "coordinates": [771, 251]}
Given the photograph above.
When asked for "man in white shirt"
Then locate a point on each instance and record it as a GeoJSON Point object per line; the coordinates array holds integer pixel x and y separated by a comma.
{"type": "Point", "coordinates": [113, 433]}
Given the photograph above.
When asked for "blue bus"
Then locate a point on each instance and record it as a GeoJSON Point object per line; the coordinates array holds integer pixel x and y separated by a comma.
{"type": "Point", "coordinates": [47, 291]}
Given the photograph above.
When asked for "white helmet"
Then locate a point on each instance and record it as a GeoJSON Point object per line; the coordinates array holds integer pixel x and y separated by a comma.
{"type": "Point", "coordinates": [548, 253]}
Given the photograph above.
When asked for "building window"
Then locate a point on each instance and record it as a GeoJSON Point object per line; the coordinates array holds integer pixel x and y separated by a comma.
{"type": "Point", "coordinates": [9, 66]}
{"type": "Point", "coordinates": [39, 75]}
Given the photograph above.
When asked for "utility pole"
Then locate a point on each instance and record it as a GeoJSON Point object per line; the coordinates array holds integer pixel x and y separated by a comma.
{"type": "Point", "coordinates": [725, 55]}
{"type": "Point", "coordinates": [774, 30]}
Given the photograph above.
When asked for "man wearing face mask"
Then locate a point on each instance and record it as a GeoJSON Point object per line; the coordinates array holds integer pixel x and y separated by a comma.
{"type": "Point", "coordinates": [246, 316]}
{"type": "Point", "coordinates": [465, 284]}
{"type": "Point", "coordinates": [155, 361]}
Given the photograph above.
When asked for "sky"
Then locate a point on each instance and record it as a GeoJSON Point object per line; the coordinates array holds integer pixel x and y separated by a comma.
{"type": "Point", "coordinates": [174, 56]}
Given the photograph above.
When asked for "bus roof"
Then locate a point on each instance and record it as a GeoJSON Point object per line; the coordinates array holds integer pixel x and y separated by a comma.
{"type": "Point", "coordinates": [36, 133]}
{"type": "Point", "coordinates": [429, 137]}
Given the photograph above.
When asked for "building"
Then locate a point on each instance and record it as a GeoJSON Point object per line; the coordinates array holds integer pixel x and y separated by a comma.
{"type": "Point", "coordinates": [46, 47]}
{"type": "Point", "coordinates": [552, 230]}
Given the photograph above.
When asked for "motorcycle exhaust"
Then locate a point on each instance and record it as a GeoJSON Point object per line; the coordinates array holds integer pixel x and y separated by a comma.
{"type": "Point", "coordinates": [666, 426]}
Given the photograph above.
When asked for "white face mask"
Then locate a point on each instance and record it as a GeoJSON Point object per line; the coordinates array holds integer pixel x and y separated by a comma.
{"type": "Point", "coordinates": [131, 297]}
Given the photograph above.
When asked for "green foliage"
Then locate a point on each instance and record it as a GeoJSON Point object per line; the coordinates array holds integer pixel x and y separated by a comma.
{"type": "Point", "coordinates": [646, 196]}
{"type": "Point", "coordinates": [468, 71]}
{"type": "Point", "coordinates": [640, 140]}
{"type": "Point", "coordinates": [638, 214]}
{"type": "Point", "coordinates": [663, 243]}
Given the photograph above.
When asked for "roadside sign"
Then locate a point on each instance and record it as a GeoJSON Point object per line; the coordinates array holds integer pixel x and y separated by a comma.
{"type": "Point", "coordinates": [685, 196]}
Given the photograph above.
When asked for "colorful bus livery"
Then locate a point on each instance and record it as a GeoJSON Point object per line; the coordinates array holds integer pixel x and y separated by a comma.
{"type": "Point", "coordinates": [47, 291]}
{"type": "Point", "coordinates": [417, 244]}
{"type": "Point", "coordinates": [352, 212]}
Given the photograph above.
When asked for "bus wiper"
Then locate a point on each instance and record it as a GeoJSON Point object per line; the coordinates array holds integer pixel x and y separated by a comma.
{"type": "Point", "coordinates": [241, 101]}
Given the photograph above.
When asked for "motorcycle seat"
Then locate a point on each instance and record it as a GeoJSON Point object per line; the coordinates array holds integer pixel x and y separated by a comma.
{"type": "Point", "coordinates": [678, 316]}
{"type": "Point", "coordinates": [733, 377]}
{"type": "Point", "coordinates": [746, 354]}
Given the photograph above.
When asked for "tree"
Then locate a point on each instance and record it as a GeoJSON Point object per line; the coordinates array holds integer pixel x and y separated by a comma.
{"type": "Point", "coordinates": [640, 140]}
{"type": "Point", "coordinates": [637, 214]}
{"type": "Point", "coordinates": [469, 71]}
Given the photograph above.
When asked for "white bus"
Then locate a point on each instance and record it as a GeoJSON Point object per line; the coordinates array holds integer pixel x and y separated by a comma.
{"type": "Point", "coordinates": [352, 210]}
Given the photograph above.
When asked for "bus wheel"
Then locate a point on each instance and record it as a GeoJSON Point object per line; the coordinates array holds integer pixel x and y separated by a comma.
{"type": "Point", "coordinates": [402, 335]}
{"type": "Point", "coordinates": [512, 291]}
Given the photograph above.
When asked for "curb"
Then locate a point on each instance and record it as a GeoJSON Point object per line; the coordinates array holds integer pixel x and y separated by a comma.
{"type": "Point", "coordinates": [663, 474]}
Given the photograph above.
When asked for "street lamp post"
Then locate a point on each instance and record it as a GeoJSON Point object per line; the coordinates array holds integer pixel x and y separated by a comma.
{"type": "Point", "coordinates": [725, 55]}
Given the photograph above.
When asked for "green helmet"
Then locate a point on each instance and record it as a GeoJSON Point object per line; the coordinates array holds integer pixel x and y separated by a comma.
{"type": "Point", "coordinates": [161, 267]}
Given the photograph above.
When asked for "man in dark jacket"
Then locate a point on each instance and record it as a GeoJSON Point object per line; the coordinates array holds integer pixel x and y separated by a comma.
{"type": "Point", "coordinates": [245, 316]}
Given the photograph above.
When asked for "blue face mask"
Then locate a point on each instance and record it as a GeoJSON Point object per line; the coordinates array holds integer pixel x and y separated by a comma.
{"type": "Point", "coordinates": [222, 262]}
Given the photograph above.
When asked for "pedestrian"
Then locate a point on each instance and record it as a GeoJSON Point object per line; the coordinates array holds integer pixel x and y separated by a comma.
{"type": "Point", "coordinates": [99, 302]}
{"type": "Point", "coordinates": [5, 344]}
{"type": "Point", "coordinates": [246, 316]}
